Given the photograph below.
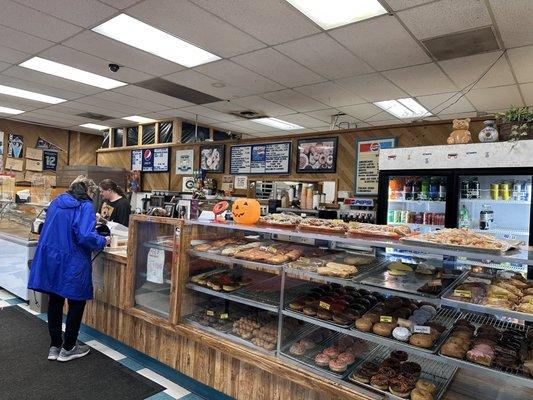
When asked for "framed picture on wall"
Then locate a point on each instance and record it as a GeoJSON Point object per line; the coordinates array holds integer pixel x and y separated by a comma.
{"type": "Point", "coordinates": [212, 157]}
{"type": "Point", "coordinates": [317, 155]}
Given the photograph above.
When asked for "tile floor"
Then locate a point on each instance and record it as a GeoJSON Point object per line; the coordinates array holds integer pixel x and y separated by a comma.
{"type": "Point", "coordinates": [177, 385]}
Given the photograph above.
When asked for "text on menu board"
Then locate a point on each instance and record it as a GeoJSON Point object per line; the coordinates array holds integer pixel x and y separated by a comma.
{"type": "Point", "coordinates": [367, 164]}
{"type": "Point", "coordinates": [269, 158]}
{"type": "Point", "coordinates": [150, 160]}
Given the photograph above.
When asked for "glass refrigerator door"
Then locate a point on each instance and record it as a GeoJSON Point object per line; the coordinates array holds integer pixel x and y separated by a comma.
{"type": "Point", "coordinates": [418, 201]}
{"type": "Point", "coordinates": [496, 204]}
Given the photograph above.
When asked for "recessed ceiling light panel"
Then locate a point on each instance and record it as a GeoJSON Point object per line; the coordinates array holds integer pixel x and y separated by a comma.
{"type": "Point", "coordinates": [7, 110]}
{"type": "Point", "coordinates": [70, 73]}
{"type": "Point", "coordinates": [26, 94]}
{"type": "Point", "coordinates": [136, 33]}
{"type": "Point", "coordinates": [95, 126]}
{"type": "Point", "coordinates": [277, 123]}
{"type": "Point", "coordinates": [139, 119]}
{"type": "Point", "coordinates": [334, 13]}
{"type": "Point", "coordinates": [403, 108]}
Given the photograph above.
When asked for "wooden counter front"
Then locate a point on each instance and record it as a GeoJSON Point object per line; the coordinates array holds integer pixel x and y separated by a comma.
{"type": "Point", "coordinates": [234, 369]}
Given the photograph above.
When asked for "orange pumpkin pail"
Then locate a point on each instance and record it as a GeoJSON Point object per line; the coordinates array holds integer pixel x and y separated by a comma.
{"type": "Point", "coordinates": [246, 211]}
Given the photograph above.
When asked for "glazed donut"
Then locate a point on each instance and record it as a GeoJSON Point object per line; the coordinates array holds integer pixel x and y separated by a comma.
{"type": "Point", "coordinates": [428, 386]}
{"type": "Point", "coordinates": [330, 160]}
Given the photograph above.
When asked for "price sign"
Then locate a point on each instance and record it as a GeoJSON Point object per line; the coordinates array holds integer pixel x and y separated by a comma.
{"type": "Point", "coordinates": [224, 316]}
{"type": "Point", "coordinates": [324, 305]}
{"type": "Point", "coordinates": [385, 318]}
{"type": "Point", "coordinates": [210, 313]}
{"type": "Point", "coordinates": [501, 296]}
{"type": "Point", "coordinates": [422, 329]}
{"type": "Point", "coordinates": [462, 293]}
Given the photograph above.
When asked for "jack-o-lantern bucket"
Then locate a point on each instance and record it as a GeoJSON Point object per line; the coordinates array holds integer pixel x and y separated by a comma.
{"type": "Point", "coordinates": [246, 211]}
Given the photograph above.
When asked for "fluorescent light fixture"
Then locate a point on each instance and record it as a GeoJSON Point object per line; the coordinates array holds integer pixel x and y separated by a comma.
{"type": "Point", "coordinates": [26, 94]}
{"type": "Point", "coordinates": [71, 73]}
{"type": "Point", "coordinates": [7, 110]}
{"type": "Point", "coordinates": [95, 126]}
{"type": "Point", "coordinates": [334, 13]}
{"type": "Point", "coordinates": [403, 108]}
{"type": "Point", "coordinates": [277, 123]}
{"type": "Point", "coordinates": [139, 119]}
{"type": "Point", "coordinates": [136, 33]}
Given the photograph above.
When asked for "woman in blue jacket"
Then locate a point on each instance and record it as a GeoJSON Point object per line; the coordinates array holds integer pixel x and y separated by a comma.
{"type": "Point", "coordinates": [62, 265]}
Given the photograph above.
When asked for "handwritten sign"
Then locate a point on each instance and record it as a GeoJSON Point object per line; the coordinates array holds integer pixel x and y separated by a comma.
{"type": "Point", "coordinates": [367, 164]}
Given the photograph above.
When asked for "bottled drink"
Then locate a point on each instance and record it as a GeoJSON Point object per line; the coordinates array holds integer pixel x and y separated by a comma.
{"type": "Point", "coordinates": [408, 189]}
{"type": "Point", "coordinates": [416, 189]}
{"type": "Point", "coordinates": [516, 190]}
{"type": "Point", "coordinates": [393, 189]}
{"type": "Point", "coordinates": [390, 216]}
{"type": "Point", "coordinates": [486, 217]}
{"type": "Point", "coordinates": [424, 190]}
{"type": "Point", "coordinates": [464, 218]}
{"type": "Point", "coordinates": [504, 191]}
{"type": "Point", "coordinates": [465, 189]}
{"type": "Point", "coordinates": [442, 190]}
{"type": "Point", "coordinates": [474, 188]}
{"type": "Point", "coordinates": [433, 189]}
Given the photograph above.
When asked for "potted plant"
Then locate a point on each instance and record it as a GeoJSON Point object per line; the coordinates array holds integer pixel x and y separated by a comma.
{"type": "Point", "coordinates": [513, 120]}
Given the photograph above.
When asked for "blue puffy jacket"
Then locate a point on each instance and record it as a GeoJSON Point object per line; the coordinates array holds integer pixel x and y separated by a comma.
{"type": "Point", "coordinates": [62, 262]}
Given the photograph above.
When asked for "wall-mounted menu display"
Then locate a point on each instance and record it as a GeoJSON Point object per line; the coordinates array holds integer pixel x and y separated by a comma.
{"type": "Point", "coordinates": [150, 160]}
{"type": "Point", "coordinates": [269, 158]}
{"type": "Point", "coordinates": [367, 164]}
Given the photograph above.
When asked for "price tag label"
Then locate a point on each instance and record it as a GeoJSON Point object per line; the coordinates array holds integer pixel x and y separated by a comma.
{"type": "Point", "coordinates": [462, 293]}
{"type": "Point", "coordinates": [501, 296]}
{"type": "Point", "coordinates": [422, 329]}
{"type": "Point", "coordinates": [385, 318]}
{"type": "Point", "coordinates": [210, 313]}
{"type": "Point", "coordinates": [435, 282]}
{"type": "Point", "coordinates": [324, 305]}
{"type": "Point", "coordinates": [224, 316]}
{"type": "Point", "coordinates": [530, 301]}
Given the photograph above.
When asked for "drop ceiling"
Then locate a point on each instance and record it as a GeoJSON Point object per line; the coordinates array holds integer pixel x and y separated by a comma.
{"type": "Point", "coordinates": [274, 61]}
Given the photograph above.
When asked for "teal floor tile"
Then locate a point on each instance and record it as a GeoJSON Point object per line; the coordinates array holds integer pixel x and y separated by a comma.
{"type": "Point", "coordinates": [131, 364]}
{"type": "Point", "coordinates": [160, 396]}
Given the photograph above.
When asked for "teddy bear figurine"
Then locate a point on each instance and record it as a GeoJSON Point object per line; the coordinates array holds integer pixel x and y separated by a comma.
{"type": "Point", "coordinates": [460, 133]}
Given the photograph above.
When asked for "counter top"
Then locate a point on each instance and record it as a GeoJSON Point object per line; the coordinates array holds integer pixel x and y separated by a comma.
{"type": "Point", "coordinates": [119, 254]}
{"type": "Point", "coordinates": [17, 233]}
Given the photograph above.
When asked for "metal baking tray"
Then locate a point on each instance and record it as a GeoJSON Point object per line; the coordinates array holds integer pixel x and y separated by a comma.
{"type": "Point", "coordinates": [444, 316]}
{"type": "Point", "coordinates": [256, 291]}
{"type": "Point", "coordinates": [409, 283]}
{"type": "Point", "coordinates": [437, 372]}
{"type": "Point", "coordinates": [512, 376]}
{"type": "Point", "coordinates": [309, 357]}
{"type": "Point", "coordinates": [480, 308]}
{"type": "Point", "coordinates": [511, 244]}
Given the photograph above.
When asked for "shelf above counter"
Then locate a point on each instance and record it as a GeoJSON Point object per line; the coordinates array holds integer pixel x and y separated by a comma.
{"type": "Point", "coordinates": [493, 201]}
{"type": "Point", "coordinates": [417, 201]}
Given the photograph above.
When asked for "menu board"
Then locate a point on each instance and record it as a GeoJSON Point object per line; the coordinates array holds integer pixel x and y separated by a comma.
{"type": "Point", "coordinates": [150, 160]}
{"type": "Point", "coordinates": [269, 158]}
{"type": "Point", "coordinates": [367, 164]}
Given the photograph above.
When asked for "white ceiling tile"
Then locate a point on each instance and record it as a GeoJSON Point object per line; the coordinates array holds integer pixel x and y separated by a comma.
{"type": "Point", "coordinates": [324, 115]}
{"type": "Point", "coordinates": [522, 62]}
{"type": "Point", "coordinates": [80, 12]}
{"type": "Point", "coordinates": [448, 103]}
{"type": "Point", "coordinates": [209, 113]}
{"type": "Point", "coordinates": [38, 88]}
{"type": "Point", "coordinates": [228, 126]}
{"type": "Point", "coordinates": [21, 41]}
{"type": "Point", "coordinates": [59, 116]}
{"type": "Point", "coordinates": [96, 65]}
{"type": "Point", "coordinates": [372, 87]}
{"type": "Point", "coordinates": [303, 120]}
{"type": "Point", "coordinates": [75, 107]}
{"type": "Point", "coordinates": [154, 97]}
{"type": "Point", "coordinates": [466, 70]}
{"type": "Point", "coordinates": [197, 26]}
{"type": "Point", "coordinates": [122, 54]}
{"type": "Point", "coordinates": [50, 80]}
{"type": "Point", "coordinates": [513, 18]}
{"type": "Point", "coordinates": [120, 4]}
{"type": "Point", "coordinates": [204, 83]}
{"type": "Point", "coordinates": [19, 104]}
{"type": "Point", "coordinates": [382, 42]}
{"type": "Point", "coordinates": [397, 5]}
{"type": "Point", "coordinates": [325, 56]}
{"type": "Point", "coordinates": [444, 17]}
{"type": "Point", "coordinates": [41, 120]}
{"type": "Point", "coordinates": [421, 79]}
{"type": "Point", "coordinates": [12, 56]}
{"type": "Point", "coordinates": [527, 91]}
{"type": "Point", "coordinates": [495, 98]}
{"type": "Point", "coordinates": [278, 67]}
{"type": "Point", "coordinates": [234, 75]}
{"type": "Point", "coordinates": [4, 66]}
{"type": "Point", "coordinates": [331, 94]}
{"type": "Point", "coordinates": [361, 111]}
{"type": "Point", "coordinates": [292, 99]}
{"type": "Point", "coordinates": [35, 23]}
{"type": "Point", "coordinates": [251, 126]}
{"type": "Point", "coordinates": [269, 21]}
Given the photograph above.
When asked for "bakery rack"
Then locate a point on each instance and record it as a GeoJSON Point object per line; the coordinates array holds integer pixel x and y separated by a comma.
{"type": "Point", "coordinates": [437, 372]}
{"type": "Point", "coordinates": [275, 269]}
{"type": "Point", "coordinates": [512, 376]}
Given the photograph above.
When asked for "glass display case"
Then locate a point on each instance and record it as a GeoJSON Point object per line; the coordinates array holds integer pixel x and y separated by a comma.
{"type": "Point", "coordinates": [154, 250]}
{"type": "Point", "coordinates": [338, 305]}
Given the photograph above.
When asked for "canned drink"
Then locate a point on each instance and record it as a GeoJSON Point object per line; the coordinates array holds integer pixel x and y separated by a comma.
{"type": "Point", "coordinates": [404, 217]}
{"type": "Point", "coordinates": [419, 218]}
{"type": "Point", "coordinates": [390, 216]}
{"type": "Point", "coordinates": [494, 191]}
{"type": "Point", "coordinates": [504, 191]}
{"type": "Point", "coordinates": [397, 216]}
{"type": "Point", "coordinates": [516, 191]}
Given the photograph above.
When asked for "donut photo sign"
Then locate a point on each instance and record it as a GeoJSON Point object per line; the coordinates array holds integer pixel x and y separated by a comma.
{"type": "Point", "coordinates": [317, 155]}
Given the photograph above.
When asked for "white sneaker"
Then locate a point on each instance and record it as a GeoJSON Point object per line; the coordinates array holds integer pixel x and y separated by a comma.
{"type": "Point", "coordinates": [78, 351]}
{"type": "Point", "coordinates": [53, 353]}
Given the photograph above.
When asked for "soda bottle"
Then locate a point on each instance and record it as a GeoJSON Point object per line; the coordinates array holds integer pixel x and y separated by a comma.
{"type": "Point", "coordinates": [442, 190]}
{"type": "Point", "coordinates": [464, 218]}
{"type": "Point", "coordinates": [393, 188]}
{"type": "Point", "coordinates": [465, 189]}
{"type": "Point", "coordinates": [416, 189]}
{"type": "Point", "coordinates": [474, 188]}
{"type": "Point", "coordinates": [408, 189]}
{"type": "Point", "coordinates": [433, 189]}
{"type": "Point", "coordinates": [424, 191]}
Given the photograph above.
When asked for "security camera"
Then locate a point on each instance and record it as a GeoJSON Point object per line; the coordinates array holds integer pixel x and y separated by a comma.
{"type": "Point", "coordinates": [114, 67]}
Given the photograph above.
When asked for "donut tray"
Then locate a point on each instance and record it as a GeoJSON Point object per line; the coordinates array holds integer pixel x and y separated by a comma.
{"type": "Point", "coordinates": [437, 372]}
{"type": "Point", "coordinates": [309, 357]}
{"type": "Point", "coordinates": [444, 316]}
{"type": "Point", "coordinates": [510, 375]}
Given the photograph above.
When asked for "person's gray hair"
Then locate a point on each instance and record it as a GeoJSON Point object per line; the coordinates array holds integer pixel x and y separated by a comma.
{"type": "Point", "coordinates": [91, 186]}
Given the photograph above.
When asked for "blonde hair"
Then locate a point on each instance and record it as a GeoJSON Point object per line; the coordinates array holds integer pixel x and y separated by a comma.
{"type": "Point", "coordinates": [89, 184]}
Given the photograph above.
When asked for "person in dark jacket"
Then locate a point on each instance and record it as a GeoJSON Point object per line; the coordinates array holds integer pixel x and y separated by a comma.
{"type": "Point", "coordinates": [116, 206]}
{"type": "Point", "coordinates": [62, 265]}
